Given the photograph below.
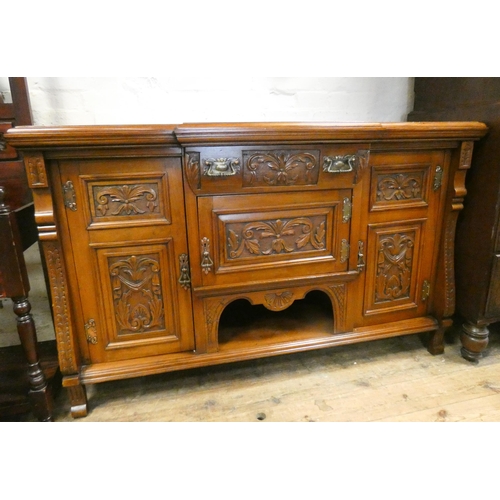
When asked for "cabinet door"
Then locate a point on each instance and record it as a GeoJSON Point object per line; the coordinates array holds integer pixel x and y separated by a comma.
{"type": "Point", "coordinates": [405, 211]}
{"type": "Point", "coordinates": [127, 227]}
{"type": "Point", "coordinates": [274, 236]}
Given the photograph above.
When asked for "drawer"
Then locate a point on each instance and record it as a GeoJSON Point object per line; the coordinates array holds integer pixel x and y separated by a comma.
{"type": "Point", "coordinates": [118, 193]}
{"type": "Point", "coordinates": [405, 181]}
{"type": "Point", "coordinates": [236, 169]}
{"type": "Point", "coordinates": [263, 237]}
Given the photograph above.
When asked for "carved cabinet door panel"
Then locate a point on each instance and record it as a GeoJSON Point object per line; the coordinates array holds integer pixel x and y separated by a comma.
{"type": "Point", "coordinates": [407, 193]}
{"type": "Point", "coordinates": [127, 228]}
{"type": "Point", "coordinates": [273, 236]}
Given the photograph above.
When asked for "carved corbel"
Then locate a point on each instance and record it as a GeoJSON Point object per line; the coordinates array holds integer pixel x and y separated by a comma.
{"type": "Point", "coordinates": [192, 169]}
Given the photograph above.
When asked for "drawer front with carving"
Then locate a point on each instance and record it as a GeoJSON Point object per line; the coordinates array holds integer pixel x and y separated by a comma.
{"type": "Point", "coordinates": [271, 237]}
{"type": "Point", "coordinates": [229, 169]}
{"type": "Point", "coordinates": [129, 239]}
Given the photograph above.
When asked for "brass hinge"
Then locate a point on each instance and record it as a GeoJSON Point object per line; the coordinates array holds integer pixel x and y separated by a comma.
{"type": "Point", "coordinates": [426, 290]}
{"type": "Point", "coordinates": [344, 250]}
{"type": "Point", "coordinates": [347, 210]}
{"type": "Point", "coordinates": [69, 196]}
{"type": "Point", "coordinates": [438, 178]}
{"type": "Point", "coordinates": [91, 332]}
{"type": "Point", "coordinates": [185, 278]}
{"type": "Point", "coordinates": [361, 256]}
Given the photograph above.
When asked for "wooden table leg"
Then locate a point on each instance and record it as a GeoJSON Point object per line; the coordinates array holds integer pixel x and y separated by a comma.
{"type": "Point", "coordinates": [475, 339]}
{"type": "Point", "coordinates": [39, 394]}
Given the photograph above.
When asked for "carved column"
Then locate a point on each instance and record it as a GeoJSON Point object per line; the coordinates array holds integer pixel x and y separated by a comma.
{"type": "Point", "coordinates": [446, 270]}
{"type": "Point", "coordinates": [51, 248]}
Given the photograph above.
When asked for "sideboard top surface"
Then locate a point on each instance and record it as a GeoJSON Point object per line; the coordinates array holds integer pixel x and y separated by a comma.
{"type": "Point", "coordinates": [198, 133]}
{"type": "Point", "coordinates": [243, 133]}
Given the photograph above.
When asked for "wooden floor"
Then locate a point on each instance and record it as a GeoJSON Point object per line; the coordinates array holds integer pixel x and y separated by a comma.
{"type": "Point", "coordinates": [390, 380]}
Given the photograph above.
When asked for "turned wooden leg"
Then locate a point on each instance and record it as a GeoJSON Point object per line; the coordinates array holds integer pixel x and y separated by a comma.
{"type": "Point", "coordinates": [474, 340]}
{"type": "Point", "coordinates": [39, 394]}
{"type": "Point", "coordinates": [77, 396]}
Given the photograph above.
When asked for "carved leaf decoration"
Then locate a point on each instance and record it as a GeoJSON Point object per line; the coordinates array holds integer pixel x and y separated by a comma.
{"type": "Point", "coordinates": [156, 309]}
{"type": "Point", "coordinates": [278, 245]}
{"type": "Point", "coordinates": [256, 232]}
{"type": "Point", "coordinates": [253, 246]}
{"type": "Point", "coordinates": [126, 197]}
{"type": "Point", "coordinates": [281, 166]}
{"type": "Point", "coordinates": [233, 239]}
{"type": "Point", "coordinates": [320, 234]}
{"type": "Point", "coordinates": [303, 240]}
{"type": "Point", "coordinates": [122, 310]}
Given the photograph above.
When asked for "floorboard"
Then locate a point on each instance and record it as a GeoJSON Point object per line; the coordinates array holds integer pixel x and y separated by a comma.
{"type": "Point", "coordinates": [391, 380]}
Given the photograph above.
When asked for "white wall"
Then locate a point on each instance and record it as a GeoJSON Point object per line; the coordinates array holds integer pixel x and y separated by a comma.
{"type": "Point", "coordinates": [114, 100]}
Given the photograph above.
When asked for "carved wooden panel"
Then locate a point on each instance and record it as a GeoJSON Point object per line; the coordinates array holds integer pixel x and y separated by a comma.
{"type": "Point", "coordinates": [119, 198]}
{"type": "Point", "coordinates": [395, 261]}
{"type": "Point", "coordinates": [399, 187]}
{"type": "Point", "coordinates": [280, 168]}
{"type": "Point", "coordinates": [275, 236]}
{"type": "Point", "coordinates": [139, 292]}
{"type": "Point", "coordinates": [393, 266]}
{"type": "Point", "coordinates": [35, 168]}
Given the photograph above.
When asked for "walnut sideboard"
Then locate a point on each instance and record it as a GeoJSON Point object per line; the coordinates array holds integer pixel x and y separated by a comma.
{"type": "Point", "coordinates": [180, 246]}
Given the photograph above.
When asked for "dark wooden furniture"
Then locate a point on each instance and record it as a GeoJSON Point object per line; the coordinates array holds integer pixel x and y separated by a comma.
{"type": "Point", "coordinates": [18, 232]}
{"type": "Point", "coordinates": [171, 247]}
{"type": "Point", "coordinates": [478, 228]}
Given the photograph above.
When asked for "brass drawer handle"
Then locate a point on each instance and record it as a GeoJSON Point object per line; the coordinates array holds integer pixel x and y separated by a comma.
{"type": "Point", "coordinates": [347, 163]}
{"type": "Point", "coordinates": [206, 261]}
{"type": "Point", "coordinates": [185, 278]}
{"type": "Point", "coordinates": [221, 167]}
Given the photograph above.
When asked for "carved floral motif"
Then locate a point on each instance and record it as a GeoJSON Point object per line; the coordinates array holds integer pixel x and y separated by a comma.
{"type": "Point", "coordinates": [399, 187]}
{"type": "Point", "coordinates": [276, 236]}
{"type": "Point", "coordinates": [137, 293]}
{"type": "Point", "coordinates": [280, 168]}
{"type": "Point", "coordinates": [394, 267]}
{"type": "Point", "coordinates": [127, 199]}
{"type": "Point", "coordinates": [278, 301]}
